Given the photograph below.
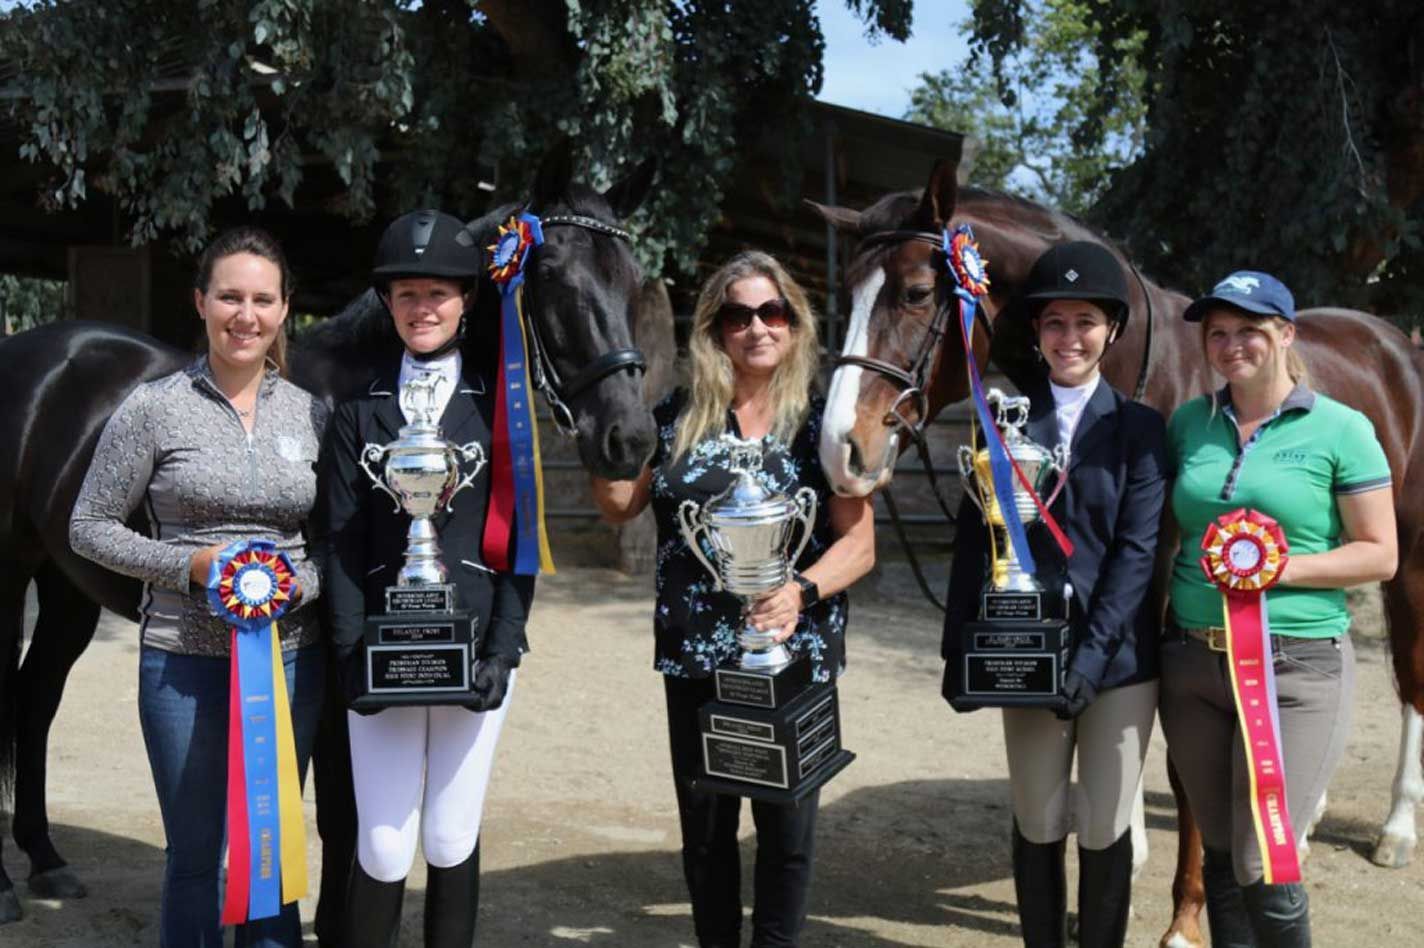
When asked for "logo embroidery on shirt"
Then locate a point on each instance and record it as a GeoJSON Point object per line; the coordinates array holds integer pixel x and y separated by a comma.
{"type": "Point", "coordinates": [1291, 456]}
{"type": "Point", "coordinates": [289, 448]}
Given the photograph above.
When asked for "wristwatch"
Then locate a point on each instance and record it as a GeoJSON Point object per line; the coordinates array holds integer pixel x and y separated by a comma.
{"type": "Point", "coordinates": [810, 594]}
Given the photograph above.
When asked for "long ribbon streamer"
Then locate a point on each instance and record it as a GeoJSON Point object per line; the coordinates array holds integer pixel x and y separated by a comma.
{"type": "Point", "coordinates": [1245, 552]}
{"type": "Point", "coordinates": [250, 585]}
{"type": "Point", "coordinates": [519, 493]}
{"type": "Point", "coordinates": [971, 281]}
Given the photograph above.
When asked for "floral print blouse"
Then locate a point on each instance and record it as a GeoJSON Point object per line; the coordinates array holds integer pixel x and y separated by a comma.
{"type": "Point", "coordinates": [696, 627]}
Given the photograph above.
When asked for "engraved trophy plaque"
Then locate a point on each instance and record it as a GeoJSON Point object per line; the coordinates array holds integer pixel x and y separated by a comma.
{"type": "Point", "coordinates": [420, 649]}
{"type": "Point", "coordinates": [771, 733]}
{"type": "Point", "coordinates": [1017, 651]}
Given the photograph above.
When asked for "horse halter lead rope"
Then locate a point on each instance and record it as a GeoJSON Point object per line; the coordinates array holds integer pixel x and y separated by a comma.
{"type": "Point", "coordinates": [543, 375]}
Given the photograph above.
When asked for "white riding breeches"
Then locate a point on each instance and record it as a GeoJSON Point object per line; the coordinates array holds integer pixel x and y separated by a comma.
{"type": "Point", "coordinates": [421, 770]}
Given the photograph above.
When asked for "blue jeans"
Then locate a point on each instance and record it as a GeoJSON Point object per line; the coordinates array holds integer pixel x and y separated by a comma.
{"type": "Point", "coordinates": [183, 710]}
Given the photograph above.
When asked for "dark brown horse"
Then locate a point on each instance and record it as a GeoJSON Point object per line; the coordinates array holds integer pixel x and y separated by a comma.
{"type": "Point", "coordinates": [900, 344]}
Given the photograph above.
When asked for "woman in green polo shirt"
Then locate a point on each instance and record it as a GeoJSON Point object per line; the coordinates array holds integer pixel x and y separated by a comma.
{"type": "Point", "coordinates": [1266, 442]}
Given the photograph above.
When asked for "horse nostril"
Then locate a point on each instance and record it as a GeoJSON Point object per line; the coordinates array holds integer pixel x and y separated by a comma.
{"type": "Point", "coordinates": [855, 461]}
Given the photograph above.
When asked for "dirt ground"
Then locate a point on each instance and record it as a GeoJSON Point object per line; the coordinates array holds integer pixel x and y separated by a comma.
{"type": "Point", "coordinates": [580, 839]}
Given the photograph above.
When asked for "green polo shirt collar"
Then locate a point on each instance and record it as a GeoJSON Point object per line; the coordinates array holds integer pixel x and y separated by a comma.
{"type": "Point", "coordinates": [1301, 399]}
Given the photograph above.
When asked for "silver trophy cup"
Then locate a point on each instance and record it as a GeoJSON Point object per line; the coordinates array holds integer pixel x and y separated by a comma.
{"type": "Point", "coordinates": [421, 472]}
{"type": "Point", "coordinates": [749, 529]}
{"type": "Point", "coordinates": [1006, 573]}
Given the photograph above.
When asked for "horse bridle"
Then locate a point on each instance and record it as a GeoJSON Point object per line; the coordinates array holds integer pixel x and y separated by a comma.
{"type": "Point", "coordinates": [913, 381]}
{"type": "Point", "coordinates": [543, 375]}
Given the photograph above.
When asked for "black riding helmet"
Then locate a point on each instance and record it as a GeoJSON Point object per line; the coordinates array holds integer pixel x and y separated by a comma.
{"type": "Point", "coordinates": [1079, 270]}
{"type": "Point", "coordinates": [428, 243]}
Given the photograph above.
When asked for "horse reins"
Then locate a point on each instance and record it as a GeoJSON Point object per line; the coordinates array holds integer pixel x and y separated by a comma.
{"type": "Point", "coordinates": [543, 375]}
{"type": "Point", "coordinates": [1141, 388]}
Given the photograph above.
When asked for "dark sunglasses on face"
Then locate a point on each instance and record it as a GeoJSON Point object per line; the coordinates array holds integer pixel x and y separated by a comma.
{"type": "Point", "coordinates": [774, 314]}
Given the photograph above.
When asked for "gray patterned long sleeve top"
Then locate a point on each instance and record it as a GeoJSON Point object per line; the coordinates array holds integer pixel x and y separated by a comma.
{"type": "Point", "coordinates": [177, 448]}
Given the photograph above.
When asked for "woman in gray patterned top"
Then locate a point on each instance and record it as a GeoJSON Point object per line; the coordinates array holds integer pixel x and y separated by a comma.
{"type": "Point", "coordinates": [221, 451]}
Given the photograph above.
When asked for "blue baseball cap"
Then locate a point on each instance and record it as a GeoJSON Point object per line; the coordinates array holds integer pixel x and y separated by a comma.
{"type": "Point", "coordinates": [1250, 290]}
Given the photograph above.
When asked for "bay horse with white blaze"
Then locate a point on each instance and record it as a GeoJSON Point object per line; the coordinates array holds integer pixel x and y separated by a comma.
{"type": "Point", "coordinates": [904, 361]}
{"type": "Point", "coordinates": [583, 286]}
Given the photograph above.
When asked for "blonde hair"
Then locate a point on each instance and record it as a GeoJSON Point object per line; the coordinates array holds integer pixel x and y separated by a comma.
{"type": "Point", "coordinates": [710, 369]}
{"type": "Point", "coordinates": [1295, 365]}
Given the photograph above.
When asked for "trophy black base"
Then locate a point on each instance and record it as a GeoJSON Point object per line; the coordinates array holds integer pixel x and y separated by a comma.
{"type": "Point", "coordinates": [760, 688]}
{"type": "Point", "coordinates": [1012, 664]}
{"type": "Point", "coordinates": [418, 656]}
{"type": "Point", "coordinates": [774, 754]}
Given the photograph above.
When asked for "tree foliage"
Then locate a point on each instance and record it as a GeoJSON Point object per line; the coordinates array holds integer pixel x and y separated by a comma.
{"type": "Point", "coordinates": [27, 303]}
{"type": "Point", "coordinates": [1028, 110]}
{"type": "Point", "coordinates": [1286, 135]}
{"type": "Point", "coordinates": [171, 106]}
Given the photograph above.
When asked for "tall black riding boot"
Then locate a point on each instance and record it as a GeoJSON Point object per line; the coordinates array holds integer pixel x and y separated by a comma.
{"type": "Point", "coordinates": [373, 911]}
{"type": "Point", "coordinates": [1225, 905]}
{"type": "Point", "coordinates": [1042, 889]}
{"type": "Point", "coordinates": [1104, 894]}
{"type": "Point", "coordinates": [452, 901]}
{"type": "Point", "coordinates": [1280, 914]}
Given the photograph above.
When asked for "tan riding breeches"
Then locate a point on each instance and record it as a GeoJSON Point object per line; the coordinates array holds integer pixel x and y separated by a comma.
{"type": "Point", "coordinates": [1315, 687]}
{"type": "Point", "coordinates": [1111, 739]}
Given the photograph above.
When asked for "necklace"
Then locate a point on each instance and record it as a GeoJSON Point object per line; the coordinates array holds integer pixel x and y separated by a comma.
{"type": "Point", "coordinates": [242, 412]}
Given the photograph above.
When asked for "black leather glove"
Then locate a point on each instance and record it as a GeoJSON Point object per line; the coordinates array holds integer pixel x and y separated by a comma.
{"type": "Point", "coordinates": [489, 682]}
{"type": "Point", "coordinates": [352, 672]}
{"type": "Point", "coordinates": [1079, 692]}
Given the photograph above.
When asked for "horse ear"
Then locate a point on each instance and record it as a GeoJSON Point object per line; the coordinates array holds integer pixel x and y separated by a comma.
{"type": "Point", "coordinates": [841, 218]}
{"type": "Point", "coordinates": [937, 204]}
{"type": "Point", "coordinates": [556, 170]}
{"type": "Point", "coordinates": [625, 196]}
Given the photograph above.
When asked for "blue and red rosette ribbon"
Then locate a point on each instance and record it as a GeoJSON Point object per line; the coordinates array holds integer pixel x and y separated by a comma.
{"type": "Point", "coordinates": [971, 281]}
{"type": "Point", "coordinates": [515, 535]}
{"type": "Point", "coordinates": [251, 585]}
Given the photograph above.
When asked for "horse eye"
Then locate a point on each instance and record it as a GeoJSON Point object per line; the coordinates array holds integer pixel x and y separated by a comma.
{"type": "Point", "coordinates": [917, 295]}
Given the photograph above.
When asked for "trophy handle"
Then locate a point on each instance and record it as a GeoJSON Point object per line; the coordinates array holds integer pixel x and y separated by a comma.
{"type": "Point", "coordinates": [806, 504]}
{"type": "Point", "coordinates": [373, 453]}
{"type": "Point", "coordinates": [1059, 464]}
{"type": "Point", "coordinates": [472, 452]}
{"type": "Point", "coordinates": [689, 520]}
{"type": "Point", "coordinates": [966, 476]}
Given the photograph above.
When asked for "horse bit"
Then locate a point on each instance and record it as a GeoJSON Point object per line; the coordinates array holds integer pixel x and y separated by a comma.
{"type": "Point", "coordinates": [544, 376]}
{"type": "Point", "coordinates": [913, 380]}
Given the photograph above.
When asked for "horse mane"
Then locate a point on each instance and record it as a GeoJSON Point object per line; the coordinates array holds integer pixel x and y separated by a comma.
{"type": "Point", "coordinates": [1011, 212]}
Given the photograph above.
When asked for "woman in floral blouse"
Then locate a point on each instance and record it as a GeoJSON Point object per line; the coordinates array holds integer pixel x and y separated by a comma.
{"type": "Point", "coordinates": [754, 355]}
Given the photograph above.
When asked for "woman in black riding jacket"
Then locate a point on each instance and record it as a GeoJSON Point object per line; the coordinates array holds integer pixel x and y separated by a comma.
{"type": "Point", "coordinates": [420, 771]}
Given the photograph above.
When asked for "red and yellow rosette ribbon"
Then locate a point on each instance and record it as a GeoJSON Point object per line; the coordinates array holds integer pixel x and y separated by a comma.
{"type": "Point", "coordinates": [1244, 553]}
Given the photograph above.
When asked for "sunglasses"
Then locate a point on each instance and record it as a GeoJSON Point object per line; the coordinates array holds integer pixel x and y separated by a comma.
{"type": "Point", "coordinates": [774, 314]}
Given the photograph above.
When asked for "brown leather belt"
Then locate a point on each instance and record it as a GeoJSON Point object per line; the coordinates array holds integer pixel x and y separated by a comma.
{"type": "Point", "coordinates": [1213, 637]}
